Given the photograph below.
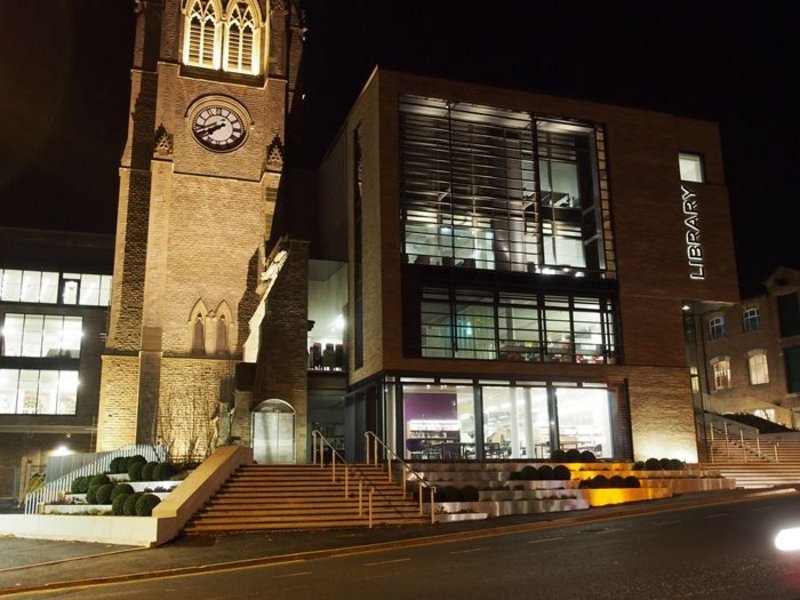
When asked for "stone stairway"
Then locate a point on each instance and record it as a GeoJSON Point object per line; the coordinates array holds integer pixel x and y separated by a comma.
{"type": "Point", "coordinates": [272, 497]}
{"type": "Point", "coordinates": [763, 475]}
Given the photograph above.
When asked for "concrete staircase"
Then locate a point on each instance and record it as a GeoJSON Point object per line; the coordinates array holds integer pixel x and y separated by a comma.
{"type": "Point", "coordinates": [272, 497]}
{"type": "Point", "coordinates": [764, 475]}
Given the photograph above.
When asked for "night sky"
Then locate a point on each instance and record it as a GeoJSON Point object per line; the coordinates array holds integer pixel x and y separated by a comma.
{"type": "Point", "coordinates": [64, 89]}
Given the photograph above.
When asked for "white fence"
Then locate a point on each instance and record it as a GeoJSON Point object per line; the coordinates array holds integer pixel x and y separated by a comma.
{"type": "Point", "coordinates": [52, 490]}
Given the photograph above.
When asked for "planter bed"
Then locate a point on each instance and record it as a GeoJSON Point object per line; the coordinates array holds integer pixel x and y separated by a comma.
{"type": "Point", "coordinates": [608, 496]}
{"type": "Point", "coordinates": [456, 517]}
{"type": "Point", "coordinates": [504, 508]}
{"type": "Point", "coordinates": [529, 494]}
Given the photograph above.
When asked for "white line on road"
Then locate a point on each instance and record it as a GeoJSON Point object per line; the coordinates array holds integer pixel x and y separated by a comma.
{"type": "Point", "coordinates": [612, 530]}
{"type": "Point", "coordinates": [470, 550]}
{"type": "Point", "coordinates": [386, 562]}
{"type": "Point", "coordinates": [660, 523]}
{"type": "Point", "coordinates": [300, 574]}
{"type": "Point", "coordinates": [548, 539]}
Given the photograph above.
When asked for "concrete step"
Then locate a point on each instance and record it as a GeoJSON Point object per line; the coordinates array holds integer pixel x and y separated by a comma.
{"type": "Point", "coordinates": [259, 497]}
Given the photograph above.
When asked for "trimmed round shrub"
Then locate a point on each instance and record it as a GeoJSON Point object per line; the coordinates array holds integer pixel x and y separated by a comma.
{"type": "Point", "coordinates": [147, 471]}
{"type": "Point", "coordinates": [562, 473]}
{"type": "Point", "coordinates": [573, 455]}
{"type": "Point", "coordinates": [146, 504]}
{"type": "Point", "coordinates": [588, 456]}
{"type": "Point", "coordinates": [676, 464]}
{"type": "Point", "coordinates": [163, 471]}
{"type": "Point", "coordinates": [546, 472]}
{"type": "Point", "coordinates": [529, 473]}
{"type": "Point", "coordinates": [450, 493]}
{"type": "Point", "coordinates": [79, 485]}
{"type": "Point", "coordinates": [91, 493]}
{"type": "Point", "coordinates": [632, 482]}
{"type": "Point", "coordinates": [123, 464]}
{"type": "Point", "coordinates": [616, 481]}
{"type": "Point", "coordinates": [586, 483]}
{"type": "Point", "coordinates": [652, 464]}
{"type": "Point", "coordinates": [558, 456]}
{"type": "Point", "coordinates": [129, 508]}
{"type": "Point", "coordinates": [638, 466]}
{"type": "Point", "coordinates": [103, 493]}
{"type": "Point", "coordinates": [513, 476]}
{"type": "Point", "coordinates": [99, 479]}
{"type": "Point", "coordinates": [135, 470]}
{"type": "Point", "coordinates": [113, 466]}
{"type": "Point", "coordinates": [121, 488]}
{"type": "Point", "coordinates": [136, 458]}
{"type": "Point", "coordinates": [600, 481]}
{"type": "Point", "coordinates": [118, 504]}
{"type": "Point", "coordinates": [665, 464]}
{"type": "Point", "coordinates": [469, 493]}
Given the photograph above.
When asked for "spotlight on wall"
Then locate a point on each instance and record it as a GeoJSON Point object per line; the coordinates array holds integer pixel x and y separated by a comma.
{"type": "Point", "coordinates": [686, 307]}
{"type": "Point", "coordinates": [62, 450]}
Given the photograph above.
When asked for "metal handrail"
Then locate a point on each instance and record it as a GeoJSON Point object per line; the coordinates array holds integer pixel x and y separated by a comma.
{"type": "Point", "coordinates": [318, 443]}
{"type": "Point", "coordinates": [420, 479]}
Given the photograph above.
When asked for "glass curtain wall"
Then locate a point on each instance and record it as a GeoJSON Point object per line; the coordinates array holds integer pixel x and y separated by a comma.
{"type": "Point", "coordinates": [489, 188]}
{"type": "Point", "coordinates": [508, 326]}
{"type": "Point", "coordinates": [441, 422]}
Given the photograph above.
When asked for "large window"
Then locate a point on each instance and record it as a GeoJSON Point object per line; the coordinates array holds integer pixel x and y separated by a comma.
{"type": "Point", "coordinates": [507, 326]}
{"type": "Point", "coordinates": [751, 319]}
{"type": "Point", "coordinates": [721, 369]}
{"type": "Point", "coordinates": [757, 367]}
{"type": "Point", "coordinates": [231, 41]}
{"type": "Point", "coordinates": [37, 287]}
{"type": "Point", "coordinates": [495, 189]}
{"type": "Point", "coordinates": [501, 420]}
{"type": "Point", "coordinates": [41, 336]}
{"type": "Point", "coordinates": [716, 328]}
{"type": "Point", "coordinates": [33, 392]}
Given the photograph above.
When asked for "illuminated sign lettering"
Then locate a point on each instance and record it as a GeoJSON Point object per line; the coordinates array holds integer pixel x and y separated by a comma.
{"type": "Point", "coordinates": [694, 247]}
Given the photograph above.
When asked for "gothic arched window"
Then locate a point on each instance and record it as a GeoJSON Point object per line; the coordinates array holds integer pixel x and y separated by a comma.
{"type": "Point", "coordinates": [241, 39]}
{"type": "Point", "coordinates": [202, 34]}
{"type": "Point", "coordinates": [198, 335]}
{"type": "Point", "coordinates": [222, 335]}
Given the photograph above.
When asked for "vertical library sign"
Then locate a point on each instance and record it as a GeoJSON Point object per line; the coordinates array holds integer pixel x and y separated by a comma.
{"type": "Point", "coordinates": [694, 246]}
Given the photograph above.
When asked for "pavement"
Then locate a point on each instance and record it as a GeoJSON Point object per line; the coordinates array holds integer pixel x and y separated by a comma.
{"type": "Point", "coordinates": [28, 565]}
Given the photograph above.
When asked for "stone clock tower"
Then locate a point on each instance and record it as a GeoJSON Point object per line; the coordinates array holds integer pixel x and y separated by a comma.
{"type": "Point", "coordinates": [211, 87]}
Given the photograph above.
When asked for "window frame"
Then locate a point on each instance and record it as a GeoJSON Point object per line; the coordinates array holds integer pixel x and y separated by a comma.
{"type": "Point", "coordinates": [721, 374]}
{"type": "Point", "coordinates": [757, 358]}
{"type": "Point", "coordinates": [698, 167]}
{"type": "Point", "coordinates": [716, 328]}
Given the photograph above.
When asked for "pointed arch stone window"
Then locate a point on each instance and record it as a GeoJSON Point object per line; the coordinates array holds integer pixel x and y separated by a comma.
{"type": "Point", "coordinates": [222, 333]}
{"type": "Point", "coordinates": [201, 43]}
{"type": "Point", "coordinates": [196, 328]}
{"type": "Point", "coordinates": [242, 38]}
{"type": "Point", "coordinates": [198, 335]}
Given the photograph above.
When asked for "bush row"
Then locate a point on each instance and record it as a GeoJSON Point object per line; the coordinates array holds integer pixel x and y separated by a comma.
{"type": "Point", "coordinates": [138, 504]}
{"type": "Point", "coordinates": [545, 472]}
{"type": "Point", "coordinates": [659, 464]}
{"type": "Point", "coordinates": [572, 455]}
{"type": "Point", "coordinates": [616, 481]}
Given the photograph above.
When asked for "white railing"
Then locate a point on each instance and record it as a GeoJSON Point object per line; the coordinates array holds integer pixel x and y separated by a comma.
{"type": "Point", "coordinates": [406, 470]}
{"type": "Point", "coordinates": [53, 490]}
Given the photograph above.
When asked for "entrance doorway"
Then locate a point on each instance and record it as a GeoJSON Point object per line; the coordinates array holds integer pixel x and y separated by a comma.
{"type": "Point", "coordinates": [273, 428]}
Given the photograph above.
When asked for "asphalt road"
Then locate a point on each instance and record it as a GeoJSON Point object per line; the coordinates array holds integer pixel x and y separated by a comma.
{"type": "Point", "coordinates": [708, 552]}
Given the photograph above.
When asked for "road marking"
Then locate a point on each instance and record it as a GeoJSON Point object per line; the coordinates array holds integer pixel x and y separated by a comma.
{"type": "Point", "coordinates": [387, 562]}
{"type": "Point", "coordinates": [667, 522]}
{"type": "Point", "coordinates": [470, 550]}
{"type": "Point", "coordinates": [300, 574]}
{"type": "Point", "coordinates": [612, 530]}
{"type": "Point", "coordinates": [548, 539]}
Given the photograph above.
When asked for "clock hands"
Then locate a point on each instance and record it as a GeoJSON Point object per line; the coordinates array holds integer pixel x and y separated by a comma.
{"type": "Point", "coordinates": [210, 128]}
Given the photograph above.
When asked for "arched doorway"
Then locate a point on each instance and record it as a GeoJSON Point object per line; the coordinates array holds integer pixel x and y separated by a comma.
{"type": "Point", "coordinates": [273, 426]}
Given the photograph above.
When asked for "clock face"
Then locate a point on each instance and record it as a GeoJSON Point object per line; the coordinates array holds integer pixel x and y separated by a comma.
{"type": "Point", "coordinates": [218, 127]}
